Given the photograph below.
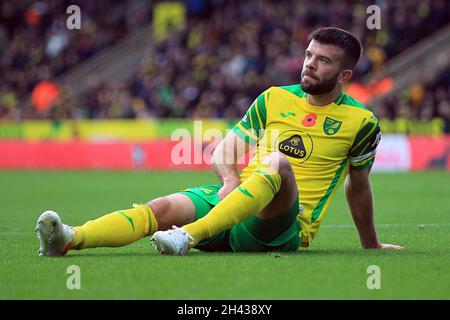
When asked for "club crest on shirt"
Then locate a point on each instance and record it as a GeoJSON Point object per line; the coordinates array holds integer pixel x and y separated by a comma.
{"type": "Point", "coordinates": [331, 126]}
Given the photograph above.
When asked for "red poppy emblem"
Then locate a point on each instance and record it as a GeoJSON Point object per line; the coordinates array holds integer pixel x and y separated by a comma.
{"type": "Point", "coordinates": [309, 120]}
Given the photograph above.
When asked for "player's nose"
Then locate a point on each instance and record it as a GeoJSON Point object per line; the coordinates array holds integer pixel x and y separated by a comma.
{"type": "Point", "coordinates": [311, 64]}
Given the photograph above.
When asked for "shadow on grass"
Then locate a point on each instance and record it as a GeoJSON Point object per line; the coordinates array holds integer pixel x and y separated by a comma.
{"type": "Point", "coordinates": [364, 252]}
{"type": "Point", "coordinates": [325, 252]}
{"type": "Point", "coordinates": [109, 254]}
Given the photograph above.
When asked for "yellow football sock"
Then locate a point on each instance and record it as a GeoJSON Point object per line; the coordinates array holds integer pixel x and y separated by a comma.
{"type": "Point", "coordinates": [116, 229]}
{"type": "Point", "coordinates": [247, 200]}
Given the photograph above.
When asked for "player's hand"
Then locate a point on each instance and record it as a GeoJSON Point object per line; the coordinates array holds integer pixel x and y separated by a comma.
{"type": "Point", "coordinates": [390, 246]}
{"type": "Point", "coordinates": [228, 186]}
{"type": "Point", "coordinates": [382, 246]}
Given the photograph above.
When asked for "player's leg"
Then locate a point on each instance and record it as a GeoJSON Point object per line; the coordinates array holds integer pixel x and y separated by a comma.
{"type": "Point", "coordinates": [175, 209]}
{"type": "Point", "coordinates": [247, 200]}
{"type": "Point", "coordinates": [115, 229]}
{"type": "Point", "coordinates": [136, 223]}
{"type": "Point", "coordinates": [276, 227]}
{"type": "Point", "coordinates": [204, 199]}
{"type": "Point", "coordinates": [288, 193]}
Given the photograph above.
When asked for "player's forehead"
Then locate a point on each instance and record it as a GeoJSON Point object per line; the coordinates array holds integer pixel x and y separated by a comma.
{"type": "Point", "coordinates": [326, 50]}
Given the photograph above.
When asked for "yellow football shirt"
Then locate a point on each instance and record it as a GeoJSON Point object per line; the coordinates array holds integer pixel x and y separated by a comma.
{"type": "Point", "coordinates": [321, 144]}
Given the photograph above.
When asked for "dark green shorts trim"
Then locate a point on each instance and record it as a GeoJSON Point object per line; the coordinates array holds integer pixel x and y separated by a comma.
{"type": "Point", "coordinates": [252, 235]}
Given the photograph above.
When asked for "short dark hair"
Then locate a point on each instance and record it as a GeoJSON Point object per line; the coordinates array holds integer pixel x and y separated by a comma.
{"type": "Point", "coordinates": [343, 39]}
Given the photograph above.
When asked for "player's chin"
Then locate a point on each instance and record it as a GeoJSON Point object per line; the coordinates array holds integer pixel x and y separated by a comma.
{"type": "Point", "coordinates": [308, 86]}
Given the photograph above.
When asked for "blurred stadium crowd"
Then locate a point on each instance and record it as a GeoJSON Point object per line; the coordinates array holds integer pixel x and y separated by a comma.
{"type": "Point", "coordinates": [226, 54]}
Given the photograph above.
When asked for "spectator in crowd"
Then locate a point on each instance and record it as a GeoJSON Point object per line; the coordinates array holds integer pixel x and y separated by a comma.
{"type": "Point", "coordinates": [35, 44]}
{"type": "Point", "coordinates": [212, 68]}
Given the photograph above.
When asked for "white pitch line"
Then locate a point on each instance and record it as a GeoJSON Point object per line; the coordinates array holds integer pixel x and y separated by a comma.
{"type": "Point", "coordinates": [389, 225]}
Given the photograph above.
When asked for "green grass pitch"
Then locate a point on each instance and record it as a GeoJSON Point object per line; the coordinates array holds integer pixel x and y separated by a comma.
{"type": "Point", "coordinates": [412, 209]}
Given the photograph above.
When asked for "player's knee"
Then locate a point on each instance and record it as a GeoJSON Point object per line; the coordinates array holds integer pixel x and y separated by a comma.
{"type": "Point", "coordinates": [160, 207]}
{"type": "Point", "coordinates": [285, 167]}
{"type": "Point", "coordinates": [280, 163]}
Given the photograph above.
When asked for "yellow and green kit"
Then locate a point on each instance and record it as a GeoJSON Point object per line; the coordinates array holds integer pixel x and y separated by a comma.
{"type": "Point", "coordinates": [321, 143]}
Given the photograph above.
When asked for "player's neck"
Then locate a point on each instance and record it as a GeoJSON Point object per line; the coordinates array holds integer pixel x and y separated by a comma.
{"type": "Point", "coordinates": [323, 99]}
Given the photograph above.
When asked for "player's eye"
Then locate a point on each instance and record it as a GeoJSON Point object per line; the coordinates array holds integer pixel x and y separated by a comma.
{"type": "Point", "coordinates": [322, 60]}
{"type": "Point", "coordinates": [308, 55]}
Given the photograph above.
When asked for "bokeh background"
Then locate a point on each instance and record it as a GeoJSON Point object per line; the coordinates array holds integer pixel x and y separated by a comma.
{"type": "Point", "coordinates": [146, 68]}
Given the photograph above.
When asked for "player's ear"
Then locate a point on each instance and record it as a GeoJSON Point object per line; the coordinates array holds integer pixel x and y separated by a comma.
{"type": "Point", "coordinates": [345, 76]}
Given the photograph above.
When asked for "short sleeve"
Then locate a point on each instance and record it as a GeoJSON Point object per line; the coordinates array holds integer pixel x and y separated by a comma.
{"type": "Point", "coordinates": [250, 127]}
{"type": "Point", "coordinates": [362, 153]}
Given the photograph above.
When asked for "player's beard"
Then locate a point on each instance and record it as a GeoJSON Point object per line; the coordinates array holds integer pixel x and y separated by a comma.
{"type": "Point", "coordinates": [321, 86]}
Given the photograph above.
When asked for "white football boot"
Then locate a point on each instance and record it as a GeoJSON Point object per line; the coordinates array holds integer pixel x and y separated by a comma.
{"type": "Point", "coordinates": [55, 238]}
{"type": "Point", "coordinates": [172, 242]}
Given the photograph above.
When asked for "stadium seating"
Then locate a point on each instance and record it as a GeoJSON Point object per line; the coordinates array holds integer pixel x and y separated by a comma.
{"type": "Point", "coordinates": [211, 68]}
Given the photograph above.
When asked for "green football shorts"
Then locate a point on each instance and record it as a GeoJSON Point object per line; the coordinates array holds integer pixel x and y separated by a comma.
{"type": "Point", "coordinates": [281, 233]}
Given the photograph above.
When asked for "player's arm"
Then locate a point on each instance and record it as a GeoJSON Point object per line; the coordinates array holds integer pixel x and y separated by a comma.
{"type": "Point", "coordinates": [224, 161]}
{"type": "Point", "coordinates": [236, 144]}
{"type": "Point", "coordinates": [359, 197]}
{"type": "Point", "coordinates": [357, 186]}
